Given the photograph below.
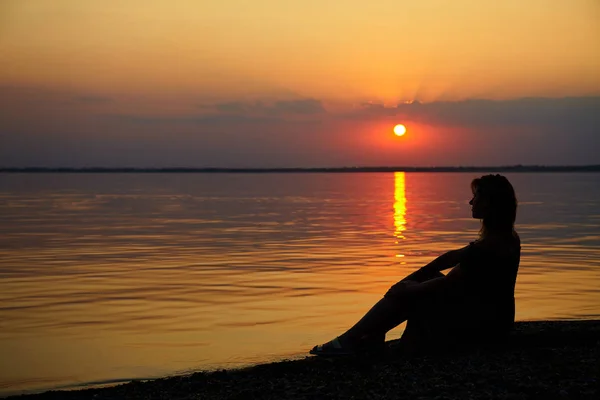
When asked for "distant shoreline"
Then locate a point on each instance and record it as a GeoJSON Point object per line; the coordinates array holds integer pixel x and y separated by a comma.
{"type": "Point", "coordinates": [513, 168]}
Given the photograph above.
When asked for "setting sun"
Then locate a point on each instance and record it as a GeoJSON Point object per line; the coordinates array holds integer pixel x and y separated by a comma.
{"type": "Point", "coordinates": [399, 130]}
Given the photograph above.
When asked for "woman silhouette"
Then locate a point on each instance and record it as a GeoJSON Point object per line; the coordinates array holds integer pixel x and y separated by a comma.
{"type": "Point", "coordinates": [474, 302]}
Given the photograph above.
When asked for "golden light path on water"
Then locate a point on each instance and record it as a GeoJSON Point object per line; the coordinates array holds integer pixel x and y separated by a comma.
{"type": "Point", "coordinates": [399, 208]}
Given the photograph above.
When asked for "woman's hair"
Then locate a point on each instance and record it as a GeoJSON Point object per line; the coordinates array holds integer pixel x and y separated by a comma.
{"type": "Point", "coordinates": [501, 201]}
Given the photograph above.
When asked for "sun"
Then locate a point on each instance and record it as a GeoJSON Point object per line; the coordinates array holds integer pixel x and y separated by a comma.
{"type": "Point", "coordinates": [399, 130]}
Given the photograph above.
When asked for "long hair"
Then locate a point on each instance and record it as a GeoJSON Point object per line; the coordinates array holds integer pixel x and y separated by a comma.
{"type": "Point", "coordinates": [500, 197]}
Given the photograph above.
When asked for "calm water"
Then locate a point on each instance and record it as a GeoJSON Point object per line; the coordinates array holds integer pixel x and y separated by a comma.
{"type": "Point", "coordinates": [108, 277]}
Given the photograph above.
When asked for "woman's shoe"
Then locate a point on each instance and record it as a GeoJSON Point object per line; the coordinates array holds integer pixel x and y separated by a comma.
{"type": "Point", "coordinates": [332, 348]}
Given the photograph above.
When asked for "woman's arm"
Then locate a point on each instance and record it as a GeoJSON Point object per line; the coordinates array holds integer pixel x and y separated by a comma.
{"type": "Point", "coordinates": [441, 286]}
{"type": "Point", "coordinates": [445, 261]}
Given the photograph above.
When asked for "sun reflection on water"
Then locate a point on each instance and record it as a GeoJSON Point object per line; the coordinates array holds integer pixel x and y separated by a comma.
{"type": "Point", "coordinates": [399, 207]}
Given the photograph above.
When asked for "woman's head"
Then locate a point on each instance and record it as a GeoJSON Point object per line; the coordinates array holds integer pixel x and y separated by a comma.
{"type": "Point", "coordinates": [495, 203]}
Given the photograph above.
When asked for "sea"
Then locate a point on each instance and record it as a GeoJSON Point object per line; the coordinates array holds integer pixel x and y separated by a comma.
{"type": "Point", "coordinates": [109, 277]}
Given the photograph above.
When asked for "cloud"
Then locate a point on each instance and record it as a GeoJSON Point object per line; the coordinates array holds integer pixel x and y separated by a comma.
{"type": "Point", "coordinates": [304, 107]}
{"type": "Point", "coordinates": [299, 107]}
{"type": "Point", "coordinates": [90, 99]}
{"type": "Point", "coordinates": [570, 112]}
{"type": "Point", "coordinates": [235, 112]}
{"type": "Point", "coordinates": [214, 119]}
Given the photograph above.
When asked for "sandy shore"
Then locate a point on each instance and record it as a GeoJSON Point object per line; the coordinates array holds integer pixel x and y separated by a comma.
{"type": "Point", "coordinates": [546, 360]}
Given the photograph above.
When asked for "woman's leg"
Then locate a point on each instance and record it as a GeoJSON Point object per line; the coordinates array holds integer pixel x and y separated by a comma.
{"type": "Point", "coordinates": [384, 316]}
{"type": "Point", "coordinates": [422, 276]}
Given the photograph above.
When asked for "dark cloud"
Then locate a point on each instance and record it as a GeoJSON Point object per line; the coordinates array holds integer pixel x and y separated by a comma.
{"type": "Point", "coordinates": [572, 112]}
{"type": "Point", "coordinates": [211, 119]}
{"type": "Point", "coordinates": [234, 112]}
{"type": "Point", "coordinates": [304, 107]}
{"type": "Point", "coordinates": [47, 98]}
{"type": "Point", "coordinates": [93, 99]}
{"type": "Point", "coordinates": [300, 107]}
{"type": "Point", "coordinates": [233, 107]}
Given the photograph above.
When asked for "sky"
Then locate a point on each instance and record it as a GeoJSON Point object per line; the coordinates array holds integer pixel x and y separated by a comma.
{"type": "Point", "coordinates": [311, 83]}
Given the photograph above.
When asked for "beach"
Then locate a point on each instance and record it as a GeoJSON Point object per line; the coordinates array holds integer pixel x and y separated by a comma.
{"type": "Point", "coordinates": [542, 359]}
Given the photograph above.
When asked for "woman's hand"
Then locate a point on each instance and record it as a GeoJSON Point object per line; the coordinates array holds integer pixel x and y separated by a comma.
{"type": "Point", "coordinates": [398, 288]}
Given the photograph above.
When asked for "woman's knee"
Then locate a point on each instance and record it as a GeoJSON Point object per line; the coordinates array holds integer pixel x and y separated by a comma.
{"type": "Point", "coordinates": [420, 277]}
{"type": "Point", "coordinates": [436, 275]}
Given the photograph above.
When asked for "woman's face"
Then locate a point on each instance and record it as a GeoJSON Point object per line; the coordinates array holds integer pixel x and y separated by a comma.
{"type": "Point", "coordinates": [478, 205]}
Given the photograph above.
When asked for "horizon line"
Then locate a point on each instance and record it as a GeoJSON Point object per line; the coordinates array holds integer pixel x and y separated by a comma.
{"type": "Point", "coordinates": [460, 168]}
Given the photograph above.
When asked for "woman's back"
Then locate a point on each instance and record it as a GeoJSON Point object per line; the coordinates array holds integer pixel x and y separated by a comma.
{"type": "Point", "coordinates": [490, 265]}
{"type": "Point", "coordinates": [489, 272]}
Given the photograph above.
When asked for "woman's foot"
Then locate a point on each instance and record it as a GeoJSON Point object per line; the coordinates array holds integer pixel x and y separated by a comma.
{"type": "Point", "coordinates": [343, 346]}
{"type": "Point", "coordinates": [335, 347]}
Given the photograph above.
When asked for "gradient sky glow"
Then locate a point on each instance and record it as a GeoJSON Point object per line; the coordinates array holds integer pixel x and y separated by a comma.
{"type": "Point", "coordinates": [269, 83]}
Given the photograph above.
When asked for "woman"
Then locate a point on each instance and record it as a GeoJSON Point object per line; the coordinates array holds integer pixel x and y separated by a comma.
{"type": "Point", "coordinates": [474, 302]}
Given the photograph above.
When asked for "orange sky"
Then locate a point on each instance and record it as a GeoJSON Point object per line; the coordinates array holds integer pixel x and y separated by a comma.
{"type": "Point", "coordinates": [384, 50]}
{"type": "Point", "coordinates": [90, 61]}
